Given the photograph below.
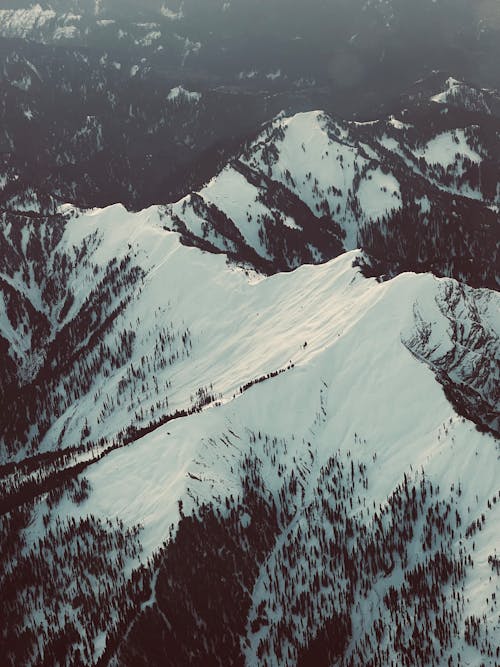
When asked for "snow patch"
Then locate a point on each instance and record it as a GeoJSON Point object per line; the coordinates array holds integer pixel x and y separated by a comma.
{"type": "Point", "coordinates": [445, 147]}
{"type": "Point", "coordinates": [179, 93]}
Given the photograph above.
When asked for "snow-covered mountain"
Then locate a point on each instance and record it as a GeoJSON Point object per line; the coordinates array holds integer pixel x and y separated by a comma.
{"type": "Point", "coordinates": [459, 94]}
{"type": "Point", "coordinates": [179, 417]}
{"type": "Point", "coordinates": [249, 416]}
{"type": "Point", "coordinates": [310, 184]}
{"type": "Point", "coordinates": [417, 190]}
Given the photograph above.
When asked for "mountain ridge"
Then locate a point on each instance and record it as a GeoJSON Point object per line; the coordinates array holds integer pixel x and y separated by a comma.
{"type": "Point", "coordinates": [319, 324]}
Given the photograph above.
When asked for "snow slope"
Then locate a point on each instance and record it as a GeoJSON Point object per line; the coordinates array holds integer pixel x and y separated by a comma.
{"type": "Point", "coordinates": [309, 186]}
{"type": "Point", "coordinates": [349, 387]}
{"type": "Point", "coordinates": [317, 160]}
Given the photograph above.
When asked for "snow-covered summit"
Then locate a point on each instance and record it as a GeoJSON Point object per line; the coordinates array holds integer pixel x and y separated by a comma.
{"type": "Point", "coordinates": [471, 98]}
{"type": "Point", "coordinates": [310, 186]}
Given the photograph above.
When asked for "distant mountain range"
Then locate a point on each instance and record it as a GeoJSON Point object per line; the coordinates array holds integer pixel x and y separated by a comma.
{"type": "Point", "coordinates": [381, 45]}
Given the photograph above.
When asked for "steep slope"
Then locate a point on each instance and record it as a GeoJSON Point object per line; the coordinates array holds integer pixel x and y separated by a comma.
{"type": "Point", "coordinates": [419, 192]}
{"type": "Point", "coordinates": [298, 417]}
{"type": "Point", "coordinates": [78, 326]}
